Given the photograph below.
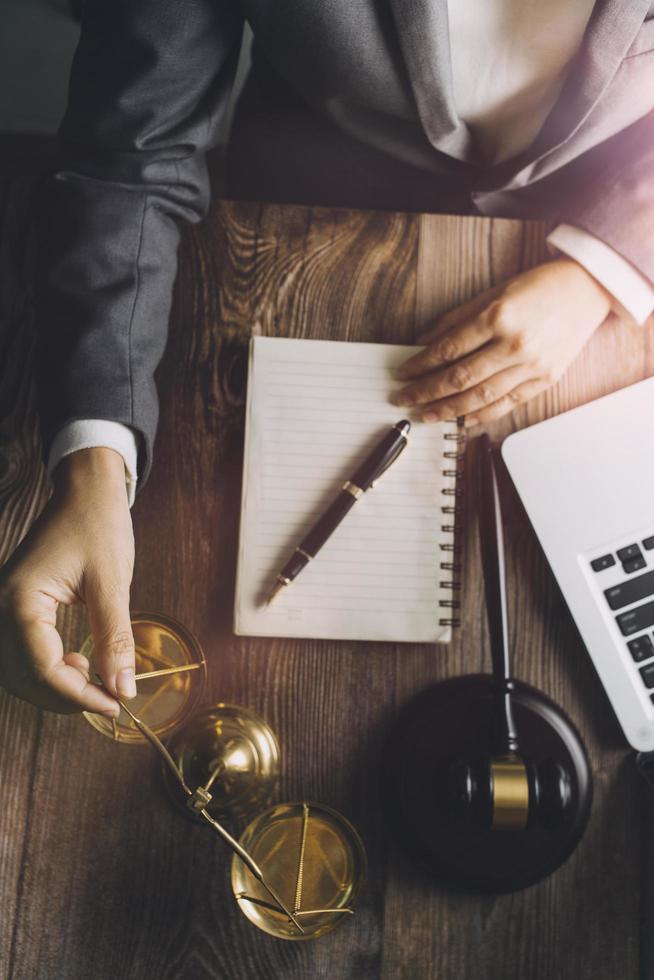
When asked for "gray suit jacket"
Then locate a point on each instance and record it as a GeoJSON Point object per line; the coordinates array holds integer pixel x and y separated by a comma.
{"type": "Point", "coordinates": [149, 84]}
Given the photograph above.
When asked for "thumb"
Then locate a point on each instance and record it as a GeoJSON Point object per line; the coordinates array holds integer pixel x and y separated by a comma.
{"type": "Point", "coordinates": [458, 315]}
{"type": "Point", "coordinates": [108, 608]}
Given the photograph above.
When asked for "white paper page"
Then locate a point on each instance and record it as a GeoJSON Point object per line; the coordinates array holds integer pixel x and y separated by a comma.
{"type": "Point", "coordinates": [314, 409]}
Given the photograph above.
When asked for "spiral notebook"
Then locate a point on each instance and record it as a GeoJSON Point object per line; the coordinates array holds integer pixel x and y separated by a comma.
{"type": "Point", "coordinates": [314, 409]}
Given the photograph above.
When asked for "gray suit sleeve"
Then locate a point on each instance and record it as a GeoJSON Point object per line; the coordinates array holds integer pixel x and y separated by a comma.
{"type": "Point", "coordinates": [616, 203]}
{"type": "Point", "coordinates": [149, 83]}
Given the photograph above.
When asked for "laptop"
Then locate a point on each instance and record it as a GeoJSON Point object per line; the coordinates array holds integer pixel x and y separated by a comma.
{"type": "Point", "coordinates": [586, 479]}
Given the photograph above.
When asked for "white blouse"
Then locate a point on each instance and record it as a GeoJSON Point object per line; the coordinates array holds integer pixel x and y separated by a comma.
{"type": "Point", "coordinates": [509, 61]}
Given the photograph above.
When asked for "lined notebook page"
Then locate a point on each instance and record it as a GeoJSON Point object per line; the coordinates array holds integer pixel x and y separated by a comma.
{"type": "Point", "coordinates": [314, 409]}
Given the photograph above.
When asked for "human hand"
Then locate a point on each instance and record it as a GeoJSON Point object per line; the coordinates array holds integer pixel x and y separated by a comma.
{"type": "Point", "coordinates": [80, 549]}
{"type": "Point", "coordinates": [504, 346]}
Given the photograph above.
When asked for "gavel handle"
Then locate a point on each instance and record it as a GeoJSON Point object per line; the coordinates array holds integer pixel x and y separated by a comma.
{"type": "Point", "coordinates": [492, 556]}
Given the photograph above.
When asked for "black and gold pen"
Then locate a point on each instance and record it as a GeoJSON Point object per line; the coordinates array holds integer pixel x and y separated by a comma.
{"type": "Point", "coordinates": [376, 462]}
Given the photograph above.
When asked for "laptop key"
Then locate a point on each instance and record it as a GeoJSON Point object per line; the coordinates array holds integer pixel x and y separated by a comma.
{"type": "Point", "coordinates": [631, 551]}
{"type": "Point", "coordinates": [634, 564]}
{"type": "Point", "coordinates": [636, 619]}
{"type": "Point", "coordinates": [648, 543]}
{"type": "Point", "coordinates": [599, 564]}
{"type": "Point", "coordinates": [630, 591]}
{"type": "Point", "coordinates": [647, 673]}
{"type": "Point", "coordinates": [641, 648]}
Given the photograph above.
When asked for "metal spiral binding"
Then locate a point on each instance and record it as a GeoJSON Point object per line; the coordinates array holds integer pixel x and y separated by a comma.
{"type": "Point", "coordinates": [453, 527]}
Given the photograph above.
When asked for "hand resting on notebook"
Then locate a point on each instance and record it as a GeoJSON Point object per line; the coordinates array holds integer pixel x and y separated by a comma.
{"type": "Point", "coordinates": [504, 346]}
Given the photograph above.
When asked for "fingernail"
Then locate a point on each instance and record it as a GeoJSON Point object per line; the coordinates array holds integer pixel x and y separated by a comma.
{"type": "Point", "coordinates": [400, 373]}
{"type": "Point", "coordinates": [469, 421]}
{"type": "Point", "coordinates": [125, 683]}
{"type": "Point", "coordinates": [111, 712]}
{"type": "Point", "coordinates": [403, 400]}
{"type": "Point", "coordinates": [431, 417]}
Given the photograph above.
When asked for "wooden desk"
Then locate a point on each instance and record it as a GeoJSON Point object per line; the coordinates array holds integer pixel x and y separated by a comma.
{"type": "Point", "coordinates": [99, 877]}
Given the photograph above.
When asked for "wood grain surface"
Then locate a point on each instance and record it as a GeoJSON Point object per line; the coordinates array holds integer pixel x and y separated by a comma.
{"type": "Point", "coordinates": [99, 877]}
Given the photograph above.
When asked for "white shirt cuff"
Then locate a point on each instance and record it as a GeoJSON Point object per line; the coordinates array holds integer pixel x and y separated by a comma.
{"type": "Point", "coordinates": [633, 291]}
{"type": "Point", "coordinates": [91, 433]}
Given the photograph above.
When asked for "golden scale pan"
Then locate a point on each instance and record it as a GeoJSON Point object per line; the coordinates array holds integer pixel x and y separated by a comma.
{"type": "Point", "coordinates": [171, 675]}
{"type": "Point", "coordinates": [297, 867]}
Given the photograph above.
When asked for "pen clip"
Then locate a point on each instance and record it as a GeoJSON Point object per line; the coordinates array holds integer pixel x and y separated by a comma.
{"type": "Point", "coordinates": [389, 462]}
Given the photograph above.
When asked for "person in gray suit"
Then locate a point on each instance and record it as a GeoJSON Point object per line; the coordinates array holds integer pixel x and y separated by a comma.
{"type": "Point", "coordinates": [501, 107]}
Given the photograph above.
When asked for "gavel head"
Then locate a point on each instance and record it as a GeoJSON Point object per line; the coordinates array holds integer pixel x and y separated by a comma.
{"type": "Point", "coordinates": [504, 793]}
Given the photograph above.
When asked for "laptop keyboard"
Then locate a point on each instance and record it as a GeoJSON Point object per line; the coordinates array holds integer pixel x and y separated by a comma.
{"type": "Point", "coordinates": [625, 597]}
